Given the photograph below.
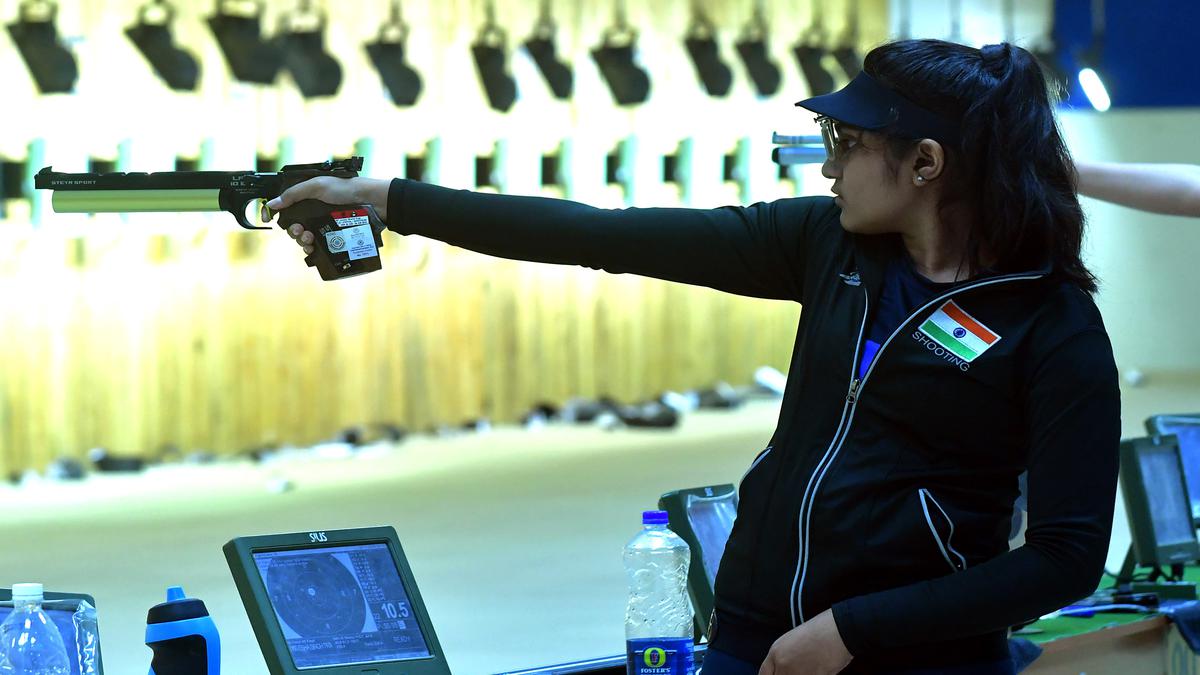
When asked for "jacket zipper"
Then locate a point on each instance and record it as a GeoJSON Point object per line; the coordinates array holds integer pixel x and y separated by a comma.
{"type": "Point", "coordinates": [944, 546]}
{"type": "Point", "coordinates": [802, 524]}
{"type": "Point", "coordinates": [852, 396]}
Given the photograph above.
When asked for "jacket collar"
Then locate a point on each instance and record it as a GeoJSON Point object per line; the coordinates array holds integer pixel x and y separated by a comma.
{"type": "Point", "coordinates": [872, 253]}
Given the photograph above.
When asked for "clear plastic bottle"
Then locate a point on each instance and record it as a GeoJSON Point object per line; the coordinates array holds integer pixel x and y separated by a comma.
{"type": "Point", "coordinates": [658, 618]}
{"type": "Point", "coordinates": [30, 643]}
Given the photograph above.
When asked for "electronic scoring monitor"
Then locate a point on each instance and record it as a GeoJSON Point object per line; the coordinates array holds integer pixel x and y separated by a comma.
{"type": "Point", "coordinates": [1157, 502]}
{"type": "Point", "coordinates": [1186, 428]}
{"type": "Point", "coordinates": [703, 517]}
{"type": "Point", "coordinates": [335, 602]}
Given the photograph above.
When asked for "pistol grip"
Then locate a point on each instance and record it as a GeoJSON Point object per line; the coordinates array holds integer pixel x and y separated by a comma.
{"type": "Point", "coordinates": [346, 237]}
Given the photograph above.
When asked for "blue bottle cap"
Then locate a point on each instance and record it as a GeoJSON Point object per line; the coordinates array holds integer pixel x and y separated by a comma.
{"type": "Point", "coordinates": [654, 518]}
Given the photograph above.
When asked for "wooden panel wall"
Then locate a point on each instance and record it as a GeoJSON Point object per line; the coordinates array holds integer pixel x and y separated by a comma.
{"type": "Point", "coordinates": [138, 332]}
{"type": "Point", "coordinates": [202, 352]}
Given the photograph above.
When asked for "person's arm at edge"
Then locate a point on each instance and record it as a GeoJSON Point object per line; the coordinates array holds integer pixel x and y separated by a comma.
{"type": "Point", "coordinates": [1171, 189]}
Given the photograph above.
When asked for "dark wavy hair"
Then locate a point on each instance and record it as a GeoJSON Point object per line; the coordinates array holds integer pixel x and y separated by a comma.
{"type": "Point", "coordinates": [1011, 169]}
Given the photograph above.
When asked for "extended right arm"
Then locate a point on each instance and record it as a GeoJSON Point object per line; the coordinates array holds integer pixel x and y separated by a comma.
{"type": "Point", "coordinates": [755, 251]}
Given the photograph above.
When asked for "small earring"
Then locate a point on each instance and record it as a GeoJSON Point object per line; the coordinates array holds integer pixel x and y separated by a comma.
{"type": "Point", "coordinates": [920, 179]}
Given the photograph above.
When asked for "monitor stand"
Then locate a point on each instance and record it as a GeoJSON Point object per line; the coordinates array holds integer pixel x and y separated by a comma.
{"type": "Point", "coordinates": [1166, 586]}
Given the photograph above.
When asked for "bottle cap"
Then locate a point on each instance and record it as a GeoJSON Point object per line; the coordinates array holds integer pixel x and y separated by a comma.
{"type": "Point", "coordinates": [654, 518]}
{"type": "Point", "coordinates": [27, 592]}
{"type": "Point", "coordinates": [177, 607]}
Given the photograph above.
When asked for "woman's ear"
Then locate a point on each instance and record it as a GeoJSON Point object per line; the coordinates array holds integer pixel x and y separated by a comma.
{"type": "Point", "coordinates": [928, 161]}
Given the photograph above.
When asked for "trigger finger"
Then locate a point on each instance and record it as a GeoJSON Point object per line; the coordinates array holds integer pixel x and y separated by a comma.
{"type": "Point", "coordinates": [295, 230]}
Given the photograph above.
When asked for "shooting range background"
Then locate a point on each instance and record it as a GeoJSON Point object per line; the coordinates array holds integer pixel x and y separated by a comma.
{"type": "Point", "coordinates": [142, 332]}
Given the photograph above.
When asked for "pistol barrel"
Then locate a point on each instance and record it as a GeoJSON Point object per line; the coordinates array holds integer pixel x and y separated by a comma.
{"type": "Point", "coordinates": [135, 201]}
{"type": "Point", "coordinates": [178, 191]}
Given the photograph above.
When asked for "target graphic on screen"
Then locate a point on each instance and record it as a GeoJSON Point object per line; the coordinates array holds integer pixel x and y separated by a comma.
{"type": "Point", "coordinates": [316, 595]}
{"type": "Point", "coordinates": [339, 605]}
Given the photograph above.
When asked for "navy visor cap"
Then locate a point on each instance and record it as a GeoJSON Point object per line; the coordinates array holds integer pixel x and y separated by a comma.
{"type": "Point", "coordinates": [867, 104]}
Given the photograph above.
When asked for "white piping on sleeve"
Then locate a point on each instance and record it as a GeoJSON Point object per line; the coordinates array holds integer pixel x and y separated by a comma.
{"type": "Point", "coordinates": [757, 460]}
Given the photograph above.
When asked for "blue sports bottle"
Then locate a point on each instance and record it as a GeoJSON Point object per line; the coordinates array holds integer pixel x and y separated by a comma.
{"type": "Point", "coordinates": [182, 636]}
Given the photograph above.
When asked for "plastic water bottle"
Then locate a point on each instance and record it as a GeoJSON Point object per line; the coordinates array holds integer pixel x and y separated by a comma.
{"type": "Point", "coordinates": [658, 618]}
{"type": "Point", "coordinates": [30, 643]}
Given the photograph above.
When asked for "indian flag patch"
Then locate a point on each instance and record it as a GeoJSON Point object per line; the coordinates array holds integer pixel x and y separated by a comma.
{"type": "Point", "coordinates": [958, 332]}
